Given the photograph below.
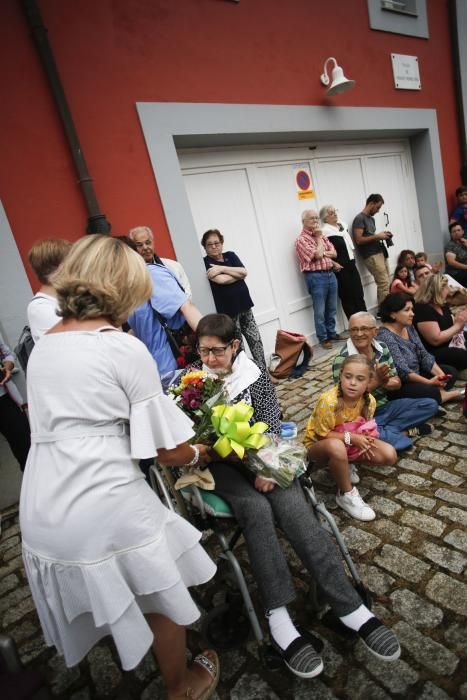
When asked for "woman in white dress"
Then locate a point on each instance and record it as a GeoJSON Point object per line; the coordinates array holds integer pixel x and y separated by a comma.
{"type": "Point", "coordinates": [102, 554]}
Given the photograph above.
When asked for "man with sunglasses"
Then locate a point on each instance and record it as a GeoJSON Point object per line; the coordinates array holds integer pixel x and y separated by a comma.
{"type": "Point", "coordinates": [398, 420]}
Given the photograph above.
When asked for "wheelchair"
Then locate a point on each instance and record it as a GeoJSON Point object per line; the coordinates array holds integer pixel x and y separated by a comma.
{"type": "Point", "coordinates": [229, 622]}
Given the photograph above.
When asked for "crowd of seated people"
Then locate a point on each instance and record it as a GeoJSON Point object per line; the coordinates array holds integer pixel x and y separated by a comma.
{"type": "Point", "coordinates": [388, 383]}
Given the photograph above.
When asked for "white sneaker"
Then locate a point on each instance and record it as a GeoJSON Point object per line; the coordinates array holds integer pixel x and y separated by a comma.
{"type": "Point", "coordinates": [354, 477]}
{"type": "Point", "coordinates": [354, 505]}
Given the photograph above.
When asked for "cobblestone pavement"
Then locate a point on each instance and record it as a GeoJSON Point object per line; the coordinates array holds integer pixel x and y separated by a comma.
{"type": "Point", "coordinates": [412, 557]}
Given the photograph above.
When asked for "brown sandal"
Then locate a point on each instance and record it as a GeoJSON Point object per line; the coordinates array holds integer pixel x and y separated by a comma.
{"type": "Point", "coordinates": [212, 666]}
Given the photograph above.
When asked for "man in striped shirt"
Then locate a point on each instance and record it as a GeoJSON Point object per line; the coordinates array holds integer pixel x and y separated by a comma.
{"type": "Point", "coordinates": [315, 256]}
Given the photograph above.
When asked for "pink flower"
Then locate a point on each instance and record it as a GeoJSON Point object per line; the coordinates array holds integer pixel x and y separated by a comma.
{"type": "Point", "coordinates": [191, 397]}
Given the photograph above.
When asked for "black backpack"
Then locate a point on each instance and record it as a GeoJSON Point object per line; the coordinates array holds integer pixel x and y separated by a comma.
{"type": "Point", "coordinates": [24, 347]}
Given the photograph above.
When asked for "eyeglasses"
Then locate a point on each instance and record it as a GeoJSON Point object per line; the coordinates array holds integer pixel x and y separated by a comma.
{"type": "Point", "coordinates": [361, 329]}
{"type": "Point", "coordinates": [218, 351]}
{"type": "Point", "coordinates": [213, 245]}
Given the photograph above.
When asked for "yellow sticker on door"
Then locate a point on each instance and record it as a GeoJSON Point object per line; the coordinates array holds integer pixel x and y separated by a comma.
{"type": "Point", "coordinates": [303, 182]}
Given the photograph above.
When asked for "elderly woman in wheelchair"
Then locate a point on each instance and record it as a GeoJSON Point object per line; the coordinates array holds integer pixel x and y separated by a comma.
{"type": "Point", "coordinates": [259, 506]}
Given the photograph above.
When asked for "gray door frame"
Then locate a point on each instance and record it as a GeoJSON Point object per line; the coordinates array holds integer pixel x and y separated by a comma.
{"type": "Point", "coordinates": [168, 126]}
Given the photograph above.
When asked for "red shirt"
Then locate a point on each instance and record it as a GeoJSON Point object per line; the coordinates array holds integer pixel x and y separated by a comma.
{"type": "Point", "coordinates": [305, 247]}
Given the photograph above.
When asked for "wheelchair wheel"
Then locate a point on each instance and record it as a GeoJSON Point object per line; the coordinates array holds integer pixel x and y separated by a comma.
{"type": "Point", "coordinates": [225, 627]}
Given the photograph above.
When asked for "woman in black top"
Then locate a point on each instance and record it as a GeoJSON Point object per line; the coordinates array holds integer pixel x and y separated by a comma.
{"type": "Point", "coordinates": [226, 276]}
{"type": "Point", "coordinates": [349, 284]}
{"type": "Point", "coordinates": [436, 325]}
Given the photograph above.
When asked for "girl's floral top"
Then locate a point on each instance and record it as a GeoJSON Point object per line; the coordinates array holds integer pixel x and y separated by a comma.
{"type": "Point", "coordinates": [325, 416]}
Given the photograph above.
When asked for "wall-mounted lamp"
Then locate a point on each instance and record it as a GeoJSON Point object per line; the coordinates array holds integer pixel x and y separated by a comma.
{"type": "Point", "coordinates": [339, 82]}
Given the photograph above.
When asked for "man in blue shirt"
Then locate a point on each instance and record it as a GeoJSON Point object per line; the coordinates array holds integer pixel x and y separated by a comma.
{"type": "Point", "coordinates": [169, 299]}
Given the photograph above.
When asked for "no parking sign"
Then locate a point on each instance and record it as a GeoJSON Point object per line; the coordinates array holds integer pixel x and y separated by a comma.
{"type": "Point", "coordinates": [304, 186]}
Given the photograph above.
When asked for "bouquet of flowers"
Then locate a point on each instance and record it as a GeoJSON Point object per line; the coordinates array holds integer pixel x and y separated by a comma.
{"type": "Point", "coordinates": [281, 461]}
{"type": "Point", "coordinates": [274, 458]}
{"type": "Point", "coordinates": [229, 430]}
{"type": "Point", "coordinates": [196, 394]}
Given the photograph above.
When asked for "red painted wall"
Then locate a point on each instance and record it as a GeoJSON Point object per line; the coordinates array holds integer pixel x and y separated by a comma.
{"type": "Point", "coordinates": [113, 53]}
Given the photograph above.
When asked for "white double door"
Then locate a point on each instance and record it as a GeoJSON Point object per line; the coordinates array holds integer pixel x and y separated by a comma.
{"type": "Point", "coordinates": [252, 196]}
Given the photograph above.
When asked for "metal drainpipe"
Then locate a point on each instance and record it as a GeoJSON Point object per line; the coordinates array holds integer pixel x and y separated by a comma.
{"type": "Point", "coordinates": [459, 97]}
{"type": "Point", "coordinates": [97, 222]}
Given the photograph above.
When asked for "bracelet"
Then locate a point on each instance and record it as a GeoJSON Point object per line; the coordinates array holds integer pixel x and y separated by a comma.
{"type": "Point", "coordinates": [347, 438]}
{"type": "Point", "coordinates": [195, 458]}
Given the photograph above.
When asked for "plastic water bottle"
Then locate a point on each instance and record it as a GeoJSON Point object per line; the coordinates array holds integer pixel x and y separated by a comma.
{"type": "Point", "coordinates": [289, 430]}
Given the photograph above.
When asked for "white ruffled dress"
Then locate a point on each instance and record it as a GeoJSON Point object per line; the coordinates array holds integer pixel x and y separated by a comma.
{"type": "Point", "coordinates": [99, 548]}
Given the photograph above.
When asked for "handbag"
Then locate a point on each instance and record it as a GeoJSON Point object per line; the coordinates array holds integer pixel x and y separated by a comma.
{"type": "Point", "coordinates": [291, 355]}
{"type": "Point", "coordinates": [24, 347]}
{"type": "Point", "coordinates": [360, 426]}
{"type": "Point", "coordinates": [182, 341]}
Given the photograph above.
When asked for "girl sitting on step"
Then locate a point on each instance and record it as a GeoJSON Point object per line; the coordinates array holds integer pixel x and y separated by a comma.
{"type": "Point", "coordinates": [342, 430]}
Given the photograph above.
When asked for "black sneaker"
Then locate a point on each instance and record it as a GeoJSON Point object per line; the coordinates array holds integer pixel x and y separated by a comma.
{"type": "Point", "coordinates": [301, 658]}
{"type": "Point", "coordinates": [381, 641]}
{"type": "Point", "coordinates": [422, 429]}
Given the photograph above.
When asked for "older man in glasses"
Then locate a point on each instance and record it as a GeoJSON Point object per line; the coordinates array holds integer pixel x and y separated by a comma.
{"type": "Point", "coordinates": [169, 309]}
{"type": "Point", "coordinates": [143, 239]}
{"type": "Point", "coordinates": [398, 420]}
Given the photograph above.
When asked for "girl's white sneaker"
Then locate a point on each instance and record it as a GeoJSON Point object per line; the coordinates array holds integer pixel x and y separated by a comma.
{"type": "Point", "coordinates": [354, 505]}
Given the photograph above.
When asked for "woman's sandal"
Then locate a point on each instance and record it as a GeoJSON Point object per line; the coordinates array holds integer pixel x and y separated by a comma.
{"type": "Point", "coordinates": [212, 666]}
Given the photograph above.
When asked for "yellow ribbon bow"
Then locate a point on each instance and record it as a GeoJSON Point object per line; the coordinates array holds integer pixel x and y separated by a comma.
{"type": "Point", "coordinates": [231, 424]}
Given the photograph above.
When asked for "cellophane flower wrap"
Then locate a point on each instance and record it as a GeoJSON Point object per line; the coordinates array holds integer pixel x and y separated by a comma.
{"type": "Point", "coordinates": [281, 461]}
{"type": "Point", "coordinates": [231, 431]}
{"type": "Point", "coordinates": [196, 395]}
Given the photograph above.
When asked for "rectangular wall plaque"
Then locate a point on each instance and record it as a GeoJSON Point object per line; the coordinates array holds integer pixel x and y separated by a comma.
{"type": "Point", "coordinates": [406, 72]}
